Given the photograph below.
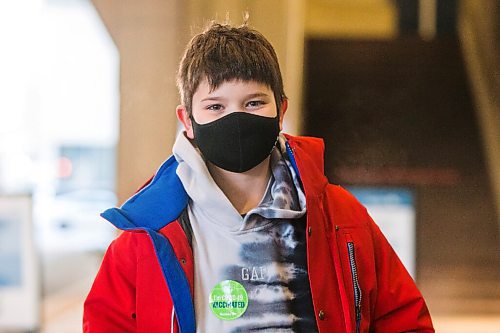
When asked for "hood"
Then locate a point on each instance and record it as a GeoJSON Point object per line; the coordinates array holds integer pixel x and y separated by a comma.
{"type": "Point", "coordinates": [283, 197]}
{"type": "Point", "coordinates": [164, 198]}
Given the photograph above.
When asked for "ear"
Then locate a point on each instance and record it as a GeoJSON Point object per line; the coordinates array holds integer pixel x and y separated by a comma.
{"type": "Point", "coordinates": [183, 116]}
{"type": "Point", "coordinates": [284, 107]}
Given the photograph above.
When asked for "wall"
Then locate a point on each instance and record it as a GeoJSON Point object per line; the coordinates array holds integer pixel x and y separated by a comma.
{"type": "Point", "coordinates": [150, 39]}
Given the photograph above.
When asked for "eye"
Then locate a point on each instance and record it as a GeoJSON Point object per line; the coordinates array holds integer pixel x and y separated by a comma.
{"type": "Point", "coordinates": [255, 104]}
{"type": "Point", "coordinates": [214, 107]}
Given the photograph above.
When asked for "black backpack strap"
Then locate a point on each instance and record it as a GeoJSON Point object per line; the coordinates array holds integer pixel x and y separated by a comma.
{"type": "Point", "coordinates": [186, 226]}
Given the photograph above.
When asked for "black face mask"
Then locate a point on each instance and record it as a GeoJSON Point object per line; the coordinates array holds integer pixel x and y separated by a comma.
{"type": "Point", "coordinates": [237, 142]}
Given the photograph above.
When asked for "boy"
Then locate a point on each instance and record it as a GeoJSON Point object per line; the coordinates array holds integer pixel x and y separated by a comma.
{"type": "Point", "coordinates": [239, 230]}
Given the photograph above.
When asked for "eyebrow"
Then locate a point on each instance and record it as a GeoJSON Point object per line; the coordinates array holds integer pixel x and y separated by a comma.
{"type": "Point", "coordinates": [249, 96]}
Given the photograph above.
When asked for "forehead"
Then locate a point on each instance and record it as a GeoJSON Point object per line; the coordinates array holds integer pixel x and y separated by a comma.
{"type": "Point", "coordinates": [231, 87]}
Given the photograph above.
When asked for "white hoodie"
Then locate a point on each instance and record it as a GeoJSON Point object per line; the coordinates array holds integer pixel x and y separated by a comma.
{"type": "Point", "coordinates": [264, 251]}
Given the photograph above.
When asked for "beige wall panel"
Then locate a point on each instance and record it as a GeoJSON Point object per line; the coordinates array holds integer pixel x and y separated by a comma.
{"type": "Point", "coordinates": [201, 12]}
{"type": "Point", "coordinates": [480, 37]}
{"type": "Point", "coordinates": [150, 37]}
{"type": "Point", "coordinates": [282, 22]}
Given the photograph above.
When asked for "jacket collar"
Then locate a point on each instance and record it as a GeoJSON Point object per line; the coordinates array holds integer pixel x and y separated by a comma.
{"type": "Point", "coordinates": [155, 205]}
{"type": "Point", "coordinates": [308, 155]}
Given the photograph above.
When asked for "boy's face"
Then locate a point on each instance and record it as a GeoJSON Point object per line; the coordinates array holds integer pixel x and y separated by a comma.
{"type": "Point", "coordinates": [231, 96]}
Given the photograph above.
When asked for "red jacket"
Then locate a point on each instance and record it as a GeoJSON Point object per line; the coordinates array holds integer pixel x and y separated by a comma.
{"type": "Point", "coordinates": [358, 283]}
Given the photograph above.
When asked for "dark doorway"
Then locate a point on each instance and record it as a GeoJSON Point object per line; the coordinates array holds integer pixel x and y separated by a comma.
{"type": "Point", "coordinates": [399, 113]}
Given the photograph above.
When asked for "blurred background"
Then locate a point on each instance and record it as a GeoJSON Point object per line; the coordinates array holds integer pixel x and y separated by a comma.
{"type": "Point", "coordinates": [404, 92]}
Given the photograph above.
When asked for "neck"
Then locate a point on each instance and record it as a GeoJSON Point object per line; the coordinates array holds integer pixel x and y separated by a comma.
{"type": "Point", "coordinates": [246, 189]}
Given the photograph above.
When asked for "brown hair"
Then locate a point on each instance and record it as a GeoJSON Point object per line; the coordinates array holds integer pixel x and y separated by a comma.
{"type": "Point", "coordinates": [223, 53]}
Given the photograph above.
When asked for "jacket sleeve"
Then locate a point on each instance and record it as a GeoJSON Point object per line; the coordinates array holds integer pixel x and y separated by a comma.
{"type": "Point", "coordinates": [110, 304]}
{"type": "Point", "coordinates": [399, 306]}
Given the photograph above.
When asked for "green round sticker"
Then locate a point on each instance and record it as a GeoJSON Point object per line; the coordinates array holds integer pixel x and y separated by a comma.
{"type": "Point", "coordinates": [228, 300]}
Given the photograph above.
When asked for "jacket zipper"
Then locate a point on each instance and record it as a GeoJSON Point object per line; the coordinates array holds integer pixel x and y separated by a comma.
{"type": "Point", "coordinates": [355, 282]}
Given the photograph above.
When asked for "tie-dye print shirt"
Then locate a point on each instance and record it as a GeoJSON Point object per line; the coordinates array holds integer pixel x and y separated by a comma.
{"type": "Point", "coordinates": [264, 251]}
